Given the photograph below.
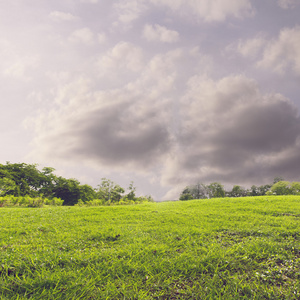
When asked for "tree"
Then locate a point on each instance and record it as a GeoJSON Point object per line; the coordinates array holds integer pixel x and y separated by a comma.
{"type": "Point", "coordinates": [87, 193]}
{"type": "Point", "coordinates": [238, 191]}
{"type": "Point", "coordinates": [253, 191]}
{"type": "Point", "coordinates": [131, 193]}
{"type": "Point", "coordinates": [27, 178]}
{"type": "Point", "coordinates": [109, 191]}
{"type": "Point", "coordinates": [67, 189]}
{"type": "Point", "coordinates": [281, 188]}
{"type": "Point", "coordinates": [295, 188]}
{"type": "Point", "coordinates": [6, 185]}
{"type": "Point", "coordinates": [216, 190]}
{"type": "Point", "coordinates": [196, 191]}
{"type": "Point", "coordinates": [263, 189]}
{"type": "Point", "coordinates": [186, 196]}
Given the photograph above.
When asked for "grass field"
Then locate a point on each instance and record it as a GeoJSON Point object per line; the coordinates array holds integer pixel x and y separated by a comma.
{"type": "Point", "coordinates": [230, 248]}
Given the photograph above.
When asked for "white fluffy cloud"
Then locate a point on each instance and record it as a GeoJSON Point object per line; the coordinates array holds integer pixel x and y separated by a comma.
{"type": "Point", "coordinates": [210, 10]}
{"type": "Point", "coordinates": [129, 10]}
{"type": "Point", "coordinates": [251, 47]}
{"type": "Point", "coordinates": [286, 4]}
{"type": "Point", "coordinates": [123, 57]}
{"type": "Point", "coordinates": [160, 33]}
{"type": "Point", "coordinates": [62, 16]}
{"type": "Point", "coordinates": [82, 36]}
{"type": "Point", "coordinates": [283, 53]}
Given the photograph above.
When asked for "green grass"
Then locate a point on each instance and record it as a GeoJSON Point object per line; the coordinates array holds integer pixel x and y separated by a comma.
{"type": "Point", "coordinates": [232, 248]}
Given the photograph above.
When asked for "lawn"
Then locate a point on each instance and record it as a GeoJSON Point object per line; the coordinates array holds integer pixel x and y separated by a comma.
{"type": "Point", "coordinates": [230, 248]}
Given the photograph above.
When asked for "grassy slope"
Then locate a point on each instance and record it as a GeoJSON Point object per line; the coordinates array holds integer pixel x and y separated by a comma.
{"type": "Point", "coordinates": [204, 249]}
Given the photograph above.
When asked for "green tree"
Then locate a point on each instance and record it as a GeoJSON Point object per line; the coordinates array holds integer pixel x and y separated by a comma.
{"type": "Point", "coordinates": [109, 191]}
{"type": "Point", "coordinates": [67, 189]}
{"type": "Point", "coordinates": [6, 185]}
{"type": "Point", "coordinates": [28, 179]}
{"type": "Point", "coordinates": [131, 193]}
{"type": "Point", "coordinates": [216, 190]}
{"type": "Point", "coordinates": [295, 188]}
{"type": "Point", "coordinates": [253, 191]}
{"type": "Point", "coordinates": [186, 196]}
{"type": "Point", "coordinates": [196, 191]}
{"type": "Point", "coordinates": [87, 193]}
{"type": "Point", "coordinates": [238, 191]}
{"type": "Point", "coordinates": [263, 189]}
{"type": "Point", "coordinates": [281, 188]}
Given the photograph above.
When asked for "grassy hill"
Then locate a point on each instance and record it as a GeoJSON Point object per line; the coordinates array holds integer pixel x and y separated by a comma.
{"type": "Point", "coordinates": [230, 248]}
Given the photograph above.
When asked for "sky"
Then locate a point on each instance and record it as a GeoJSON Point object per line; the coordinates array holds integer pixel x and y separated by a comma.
{"type": "Point", "coordinates": [165, 93]}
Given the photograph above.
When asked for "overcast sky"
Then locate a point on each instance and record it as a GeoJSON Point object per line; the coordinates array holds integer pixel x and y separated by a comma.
{"type": "Point", "coordinates": [162, 92]}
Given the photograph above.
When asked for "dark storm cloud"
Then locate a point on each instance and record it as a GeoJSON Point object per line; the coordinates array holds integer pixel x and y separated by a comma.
{"type": "Point", "coordinates": [116, 137]}
{"type": "Point", "coordinates": [115, 132]}
{"type": "Point", "coordinates": [254, 137]}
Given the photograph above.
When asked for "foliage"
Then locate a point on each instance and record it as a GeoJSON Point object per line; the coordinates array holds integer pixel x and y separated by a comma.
{"type": "Point", "coordinates": [285, 188]}
{"type": "Point", "coordinates": [28, 180]}
{"type": "Point", "coordinates": [186, 196]}
{"type": "Point", "coordinates": [281, 188]}
{"type": "Point", "coordinates": [228, 248]}
{"type": "Point", "coordinates": [27, 201]}
{"type": "Point", "coordinates": [295, 188]}
{"type": "Point", "coordinates": [109, 191]}
{"type": "Point", "coordinates": [216, 190]}
{"type": "Point", "coordinates": [238, 191]}
{"type": "Point", "coordinates": [197, 191]}
{"type": "Point", "coordinates": [6, 185]}
{"type": "Point", "coordinates": [22, 179]}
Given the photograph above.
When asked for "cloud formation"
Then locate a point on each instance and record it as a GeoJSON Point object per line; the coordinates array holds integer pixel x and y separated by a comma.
{"type": "Point", "coordinates": [210, 10]}
{"type": "Point", "coordinates": [146, 86]}
{"type": "Point", "coordinates": [283, 53]}
{"type": "Point", "coordinates": [233, 132]}
{"type": "Point", "coordinates": [287, 4]}
{"type": "Point", "coordinates": [62, 16]}
{"type": "Point", "coordinates": [160, 33]}
{"type": "Point", "coordinates": [82, 36]}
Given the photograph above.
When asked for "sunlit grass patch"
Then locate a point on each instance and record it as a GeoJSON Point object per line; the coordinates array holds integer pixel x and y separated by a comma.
{"type": "Point", "coordinates": [231, 248]}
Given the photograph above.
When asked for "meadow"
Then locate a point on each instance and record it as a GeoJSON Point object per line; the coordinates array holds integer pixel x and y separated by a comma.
{"type": "Point", "coordinates": [229, 248]}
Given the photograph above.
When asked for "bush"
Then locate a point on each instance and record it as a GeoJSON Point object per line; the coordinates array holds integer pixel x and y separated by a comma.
{"type": "Point", "coordinates": [281, 188]}
{"type": "Point", "coordinates": [54, 201]}
{"type": "Point", "coordinates": [27, 201]}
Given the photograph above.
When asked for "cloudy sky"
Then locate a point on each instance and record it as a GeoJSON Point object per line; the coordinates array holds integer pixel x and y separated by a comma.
{"type": "Point", "coordinates": [162, 92]}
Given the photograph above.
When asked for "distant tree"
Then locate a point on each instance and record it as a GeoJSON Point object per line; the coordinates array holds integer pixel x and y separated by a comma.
{"type": "Point", "coordinates": [295, 188]}
{"type": "Point", "coordinates": [196, 191]}
{"type": "Point", "coordinates": [253, 191]}
{"type": "Point", "coordinates": [67, 189]}
{"type": "Point", "coordinates": [6, 185]}
{"type": "Point", "coordinates": [238, 191]}
{"type": "Point", "coordinates": [109, 191]}
{"type": "Point", "coordinates": [186, 196]}
{"type": "Point", "coordinates": [27, 178]}
{"type": "Point", "coordinates": [281, 188]}
{"type": "Point", "coordinates": [216, 190]}
{"type": "Point", "coordinates": [48, 182]}
{"type": "Point", "coordinates": [263, 189]}
{"type": "Point", "coordinates": [87, 193]}
{"type": "Point", "coordinates": [131, 193]}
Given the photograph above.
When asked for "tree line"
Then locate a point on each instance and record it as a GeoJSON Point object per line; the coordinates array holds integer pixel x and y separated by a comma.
{"type": "Point", "coordinates": [21, 179]}
{"type": "Point", "coordinates": [217, 190]}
